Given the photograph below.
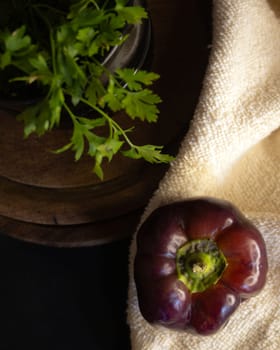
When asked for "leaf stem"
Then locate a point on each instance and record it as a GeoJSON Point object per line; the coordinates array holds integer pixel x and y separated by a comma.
{"type": "Point", "coordinates": [53, 52]}
{"type": "Point", "coordinates": [95, 4]}
{"type": "Point", "coordinates": [69, 111]}
{"type": "Point", "coordinates": [112, 123]}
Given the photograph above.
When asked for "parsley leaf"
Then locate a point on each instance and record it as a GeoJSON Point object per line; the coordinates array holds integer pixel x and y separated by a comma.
{"type": "Point", "coordinates": [131, 14]}
{"type": "Point", "coordinates": [142, 104]}
{"type": "Point", "coordinates": [150, 153]}
{"type": "Point", "coordinates": [136, 79]}
{"type": "Point", "coordinates": [69, 66]}
{"type": "Point", "coordinates": [18, 40]}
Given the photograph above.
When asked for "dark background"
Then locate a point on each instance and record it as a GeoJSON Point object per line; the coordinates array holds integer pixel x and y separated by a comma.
{"type": "Point", "coordinates": [76, 298]}
{"type": "Point", "coordinates": [56, 298]}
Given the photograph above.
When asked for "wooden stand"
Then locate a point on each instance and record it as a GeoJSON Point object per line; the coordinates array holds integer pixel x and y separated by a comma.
{"type": "Point", "coordinates": [49, 199]}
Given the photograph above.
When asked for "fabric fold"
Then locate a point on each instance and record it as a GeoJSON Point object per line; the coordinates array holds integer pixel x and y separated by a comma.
{"type": "Point", "coordinates": [231, 151]}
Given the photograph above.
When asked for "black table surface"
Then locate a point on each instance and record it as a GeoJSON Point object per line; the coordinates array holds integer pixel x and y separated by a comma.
{"type": "Point", "coordinates": [76, 298]}
{"type": "Point", "coordinates": [57, 298]}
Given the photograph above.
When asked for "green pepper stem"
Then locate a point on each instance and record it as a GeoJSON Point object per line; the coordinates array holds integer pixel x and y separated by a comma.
{"type": "Point", "coordinates": [200, 264]}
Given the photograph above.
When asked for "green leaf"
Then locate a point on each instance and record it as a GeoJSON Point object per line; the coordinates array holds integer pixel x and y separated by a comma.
{"type": "Point", "coordinates": [113, 100]}
{"type": "Point", "coordinates": [28, 116]}
{"type": "Point", "coordinates": [107, 39]}
{"type": "Point", "coordinates": [88, 17]}
{"type": "Point", "coordinates": [135, 79]}
{"type": "Point", "coordinates": [82, 133]}
{"type": "Point", "coordinates": [114, 96]}
{"type": "Point", "coordinates": [92, 123]}
{"type": "Point", "coordinates": [132, 14]}
{"type": "Point", "coordinates": [97, 166]}
{"type": "Point", "coordinates": [86, 34]}
{"type": "Point", "coordinates": [142, 105]}
{"type": "Point", "coordinates": [5, 59]}
{"type": "Point", "coordinates": [93, 48]}
{"type": "Point", "coordinates": [64, 34]}
{"type": "Point", "coordinates": [94, 91]}
{"type": "Point", "coordinates": [86, 44]}
{"type": "Point", "coordinates": [93, 142]}
{"type": "Point", "coordinates": [56, 101]}
{"type": "Point", "coordinates": [36, 118]}
{"type": "Point", "coordinates": [78, 142]}
{"type": "Point", "coordinates": [150, 153]}
{"type": "Point", "coordinates": [117, 22]}
{"type": "Point", "coordinates": [17, 40]}
{"type": "Point", "coordinates": [109, 148]}
{"type": "Point", "coordinates": [39, 63]}
{"type": "Point", "coordinates": [63, 148]}
{"type": "Point", "coordinates": [71, 74]}
{"type": "Point", "coordinates": [76, 8]}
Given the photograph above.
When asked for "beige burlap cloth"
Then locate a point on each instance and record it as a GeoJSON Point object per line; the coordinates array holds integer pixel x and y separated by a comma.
{"type": "Point", "coordinates": [231, 151]}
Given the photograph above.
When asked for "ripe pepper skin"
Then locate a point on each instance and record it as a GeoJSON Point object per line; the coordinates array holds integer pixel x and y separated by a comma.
{"type": "Point", "coordinates": [163, 297]}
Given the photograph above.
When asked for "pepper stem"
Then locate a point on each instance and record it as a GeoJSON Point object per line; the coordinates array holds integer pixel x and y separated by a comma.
{"type": "Point", "coordinates": [200, 264]}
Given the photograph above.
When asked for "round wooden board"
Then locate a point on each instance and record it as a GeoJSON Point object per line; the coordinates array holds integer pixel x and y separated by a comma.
{"type": "Point", "coordinates": [49, 199]}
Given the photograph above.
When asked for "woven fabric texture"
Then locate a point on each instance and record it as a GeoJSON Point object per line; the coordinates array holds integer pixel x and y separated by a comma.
{"type": "Point", "coordinates": [232, 151]}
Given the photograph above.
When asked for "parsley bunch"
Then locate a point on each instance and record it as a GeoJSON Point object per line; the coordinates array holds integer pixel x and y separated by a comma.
{"type": "Point", "coordinates": [68, 67]}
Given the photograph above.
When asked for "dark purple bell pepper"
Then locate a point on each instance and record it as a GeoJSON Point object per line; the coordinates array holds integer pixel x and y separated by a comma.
{"type": "Point", "coordinates": [196, 260]}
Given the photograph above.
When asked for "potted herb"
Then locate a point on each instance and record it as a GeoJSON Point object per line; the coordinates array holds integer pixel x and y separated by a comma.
{"type": "Point", "coordinates": [63, 57]}
{"type": "Point", "coordinates": [47, 197]}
